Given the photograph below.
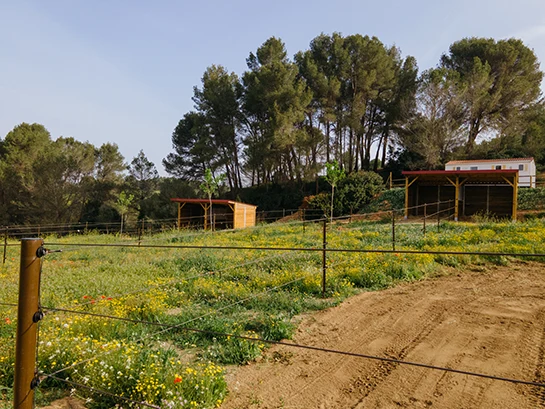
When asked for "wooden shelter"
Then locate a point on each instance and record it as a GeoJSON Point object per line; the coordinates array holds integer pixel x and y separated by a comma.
{"type": "Point", "coordinates": [226, 214]}
{"type": "Point", "coordinates": [467, 192]}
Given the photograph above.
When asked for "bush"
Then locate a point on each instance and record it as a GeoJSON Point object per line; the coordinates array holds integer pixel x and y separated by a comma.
{"type": "Point", "coordinates": [531, 199]}
{"type": "Point", "coordinates": [387, 200]}
{"type": "Point", "coordinates": [352, 194]}
{"type": "Point", "coordinates": [357, 190]}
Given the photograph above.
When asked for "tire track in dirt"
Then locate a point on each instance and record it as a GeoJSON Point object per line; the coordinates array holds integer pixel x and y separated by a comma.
{"type": "Point", "coordinates": [533, 345]}
{"type": "Point", "coordinates": [437, 311]}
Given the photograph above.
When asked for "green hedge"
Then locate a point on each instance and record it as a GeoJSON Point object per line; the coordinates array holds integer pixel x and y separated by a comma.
{"type": "Point", "coordinates": [531, 199]}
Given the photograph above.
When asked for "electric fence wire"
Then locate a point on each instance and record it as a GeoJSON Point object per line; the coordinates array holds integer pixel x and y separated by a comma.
{"type": "Point", "coordinates": [69, 228]}
{"type": "Point", "coordinates": [169, 327]}
{"type": "Point", "coordinates": [176, 280]}
{"type": "Point", "coordinates": [309, 249]}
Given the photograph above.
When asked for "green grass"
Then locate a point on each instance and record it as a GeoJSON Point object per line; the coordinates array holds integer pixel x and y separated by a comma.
{"type": "Point", "coordinates": [254, 293]}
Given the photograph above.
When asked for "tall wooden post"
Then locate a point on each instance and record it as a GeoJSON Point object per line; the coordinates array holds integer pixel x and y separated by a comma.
{"type": "Point", "coordinates": [28, 315]}
{"type": "Point", "coordinates": [515, 196]}
{"type": "Point", "coordinates": [5, 244]}
{"type": "Point", "coordinates": [425, 215]}
{"type": "Point", "coordinates": [393, 230]}
{"type": "Point", "coordinates": [179, 215]}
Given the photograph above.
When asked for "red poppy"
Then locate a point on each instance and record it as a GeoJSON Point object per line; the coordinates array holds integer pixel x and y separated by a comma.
{"type": "Point", "coordinates": [8, 321]}
{"type": "Point", "coordinates": [177, 379]}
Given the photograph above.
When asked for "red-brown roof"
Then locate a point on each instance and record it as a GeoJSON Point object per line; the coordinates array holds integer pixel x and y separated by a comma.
{"type": "Point", "coordinates": [205, 201]}
{"type": "Point", "coordinates": [455, 172]}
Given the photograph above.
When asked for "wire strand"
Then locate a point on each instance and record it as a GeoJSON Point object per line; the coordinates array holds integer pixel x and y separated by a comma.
{"type": "Point", "coordinates": [321, 349]}
{"type": "Point", "coordinates": [169, 327]}
{"type": "Point", "coordinates": [311, 249]}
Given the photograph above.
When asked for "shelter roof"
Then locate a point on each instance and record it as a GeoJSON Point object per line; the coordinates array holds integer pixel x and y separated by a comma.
{"type": "Point", "coordinates": [471, 176]}
{"type": "Point", "coordinates": [206, 201]}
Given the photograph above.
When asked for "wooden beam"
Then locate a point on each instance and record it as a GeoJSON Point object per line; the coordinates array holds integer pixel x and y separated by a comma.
{"type": "Point", "coordinates": [508, 181]}
{"type": "Point", "coordinates": [515, 196]}
{"type": "Point", "coordinates": [457, 185]}
{"type": "Point", "coordinates": [206, 207]}
{"type": "Point", "coordinates": [407, 185]}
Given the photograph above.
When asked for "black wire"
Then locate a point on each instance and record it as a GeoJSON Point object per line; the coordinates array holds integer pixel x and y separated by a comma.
{"type": "Point", "coordinates": [311, 249]}
{"type": "Point", "coordinates": [169, 327]}
{"type": "Point", "coordinates": [313, 348]}
{"type": "Point", "coordinates": [103, 392]}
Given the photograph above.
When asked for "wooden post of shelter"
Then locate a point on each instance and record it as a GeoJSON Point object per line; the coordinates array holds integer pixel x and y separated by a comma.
{"type": "Point", "coordinates": [407, 185]}
{"type": "Point", "coordinates": [515, 185]}
{"type": "Point", "coordinates": [457, 185]}
{"type": "Point", "coordinates": [206, 208]}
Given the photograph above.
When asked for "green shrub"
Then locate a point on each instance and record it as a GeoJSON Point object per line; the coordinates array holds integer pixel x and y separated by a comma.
{"type": "Point", "coordinates": [531, 199]}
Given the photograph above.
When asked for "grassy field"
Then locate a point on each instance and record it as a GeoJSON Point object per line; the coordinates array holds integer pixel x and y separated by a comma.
{"type": "Point", "coordinates": [256, 293]}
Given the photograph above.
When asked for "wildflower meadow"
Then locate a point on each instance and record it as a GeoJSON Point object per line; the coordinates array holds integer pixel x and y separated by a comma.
{"type": "Point", "coordinates": [160, 325]}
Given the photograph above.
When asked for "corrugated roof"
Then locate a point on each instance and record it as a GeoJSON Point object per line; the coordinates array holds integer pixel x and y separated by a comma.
{"type": "Point", "coordinates": [460, 162]}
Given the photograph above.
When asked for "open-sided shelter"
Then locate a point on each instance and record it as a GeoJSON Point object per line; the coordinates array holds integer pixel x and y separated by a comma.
{"type": "Point", "coordinates": [466, 192]}
{"type": "Point", "coordinates": [226, 214]}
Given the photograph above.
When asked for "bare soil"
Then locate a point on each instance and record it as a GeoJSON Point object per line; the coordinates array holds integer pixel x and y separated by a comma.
{"type": "Point", "coordinates": [489, 321]}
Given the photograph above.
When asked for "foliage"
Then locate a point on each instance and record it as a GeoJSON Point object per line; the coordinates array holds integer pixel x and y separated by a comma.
{"type": "Point", "coordinates": [354, 192]}
{"type": "Point", "coordinates": [210, 186]}
{"type": "Point", "coordinates": [531, 199]}
{"type": "Point", "coordinates": [143, 176]}
{"type": "Point", "coordinates": [122, 205]}
{"type": "Point", "coordinates": [45, 181]}
{"type": "Point", "coordinates": [391, 199]}
{"type": "Point", "coordinates": [435, 131]}
{"type": "Point", "coordinates": [334, 174]}
{"type": "Point", "coordinates": [499, 79]}
{"type": "Point", "coordinates": [357, 190]}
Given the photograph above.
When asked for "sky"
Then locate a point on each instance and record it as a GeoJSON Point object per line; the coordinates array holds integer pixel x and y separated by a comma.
{"type": "Point", "coordinates": [123, 71]}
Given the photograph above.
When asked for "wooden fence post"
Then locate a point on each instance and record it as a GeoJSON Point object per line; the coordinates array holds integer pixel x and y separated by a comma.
{"type": "Point", "coordinates": [393, 230]}
{"type": "Point", "coordinates": [28, 315]}
{"type": "Point", "coordinates": [425, 215]}
{"type": "Point", "coordinates": [324, 257]}
{"type": "Point", "coordinates": [5, 244]}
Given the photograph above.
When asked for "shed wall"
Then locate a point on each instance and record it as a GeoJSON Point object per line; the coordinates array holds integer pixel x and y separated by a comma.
{"type": "Point", "coordinates": [244, 216]}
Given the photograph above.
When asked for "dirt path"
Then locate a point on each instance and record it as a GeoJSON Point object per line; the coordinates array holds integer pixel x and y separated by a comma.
{"type": "Point", "coordinates": [488, 321]}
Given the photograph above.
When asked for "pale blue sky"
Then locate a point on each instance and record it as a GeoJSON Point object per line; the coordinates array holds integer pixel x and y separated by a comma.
{"type": "Point", "coordinates": [123, 71]}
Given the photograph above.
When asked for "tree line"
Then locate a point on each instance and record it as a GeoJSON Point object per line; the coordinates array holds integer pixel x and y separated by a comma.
{"type": "Point", "coordinates": [64, 181]}
{"type": "Point", "coordinates": [353, 100]}
{"type": "Point", "coordinates": [348, 100]}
